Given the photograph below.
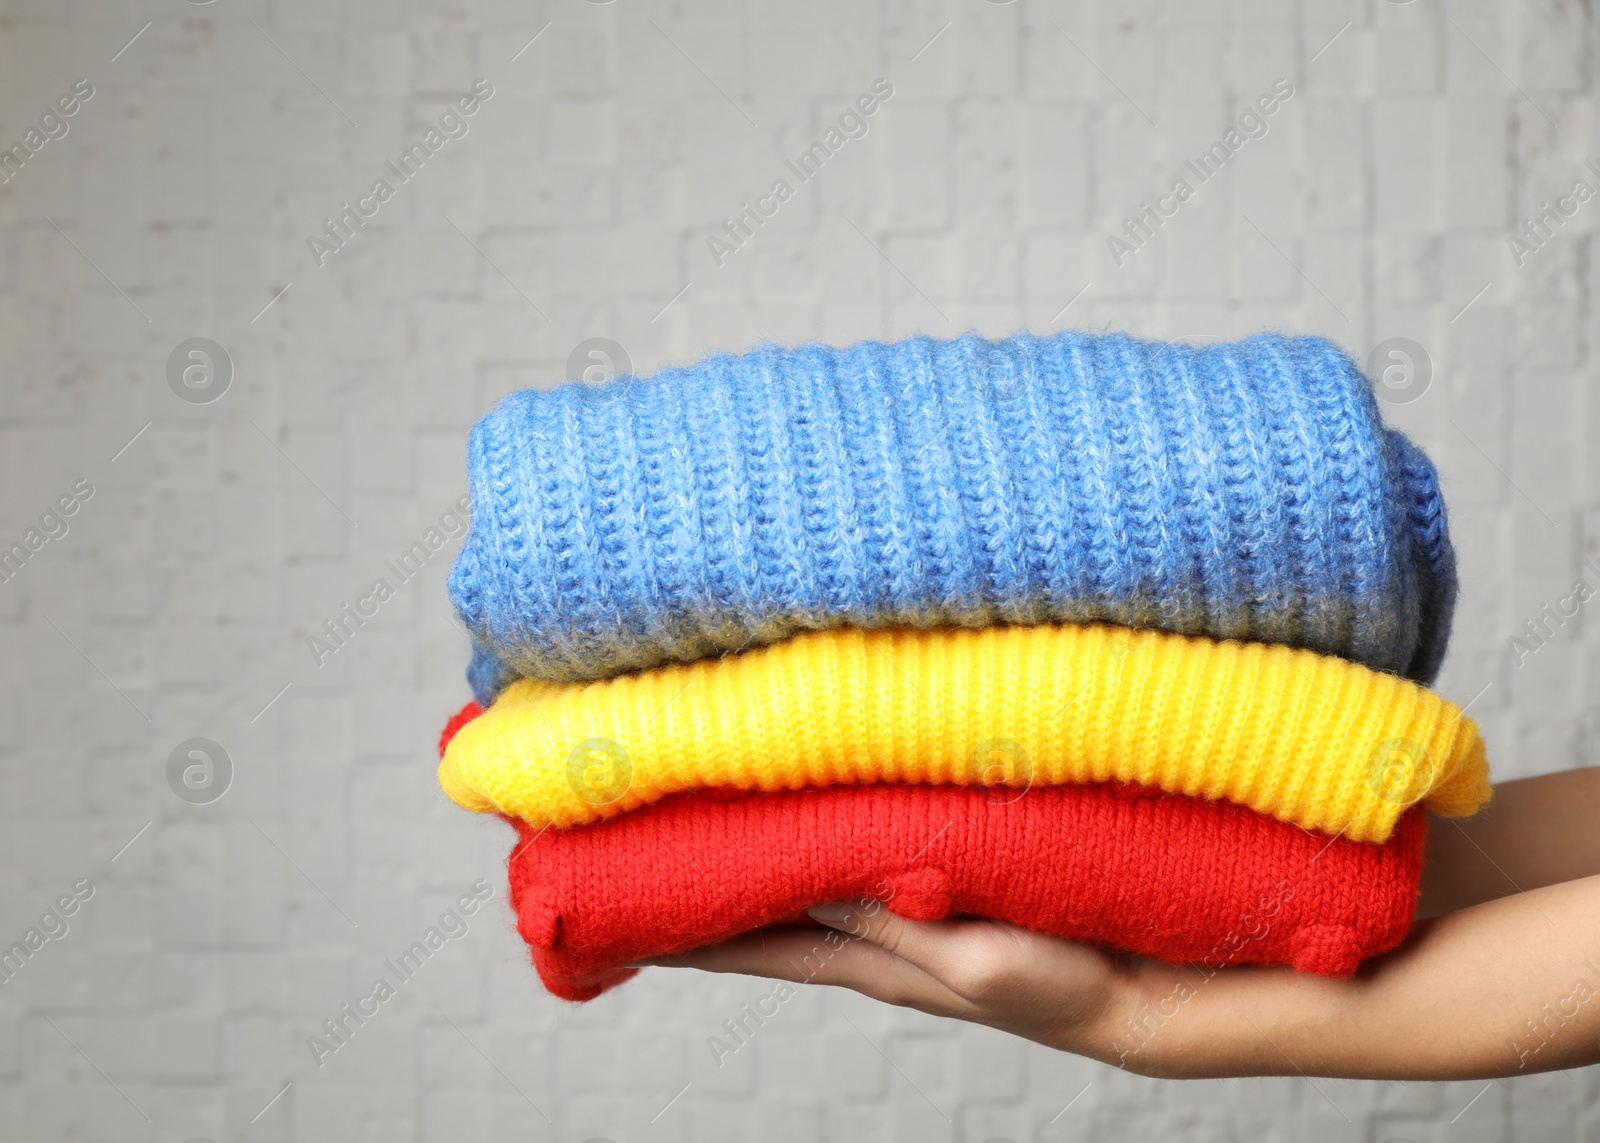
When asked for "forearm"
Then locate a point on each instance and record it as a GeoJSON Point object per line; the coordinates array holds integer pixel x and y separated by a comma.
{"type": "Point", "coordinates": [1499, 989]}
{"type": "Point", "coordinates": [1535, 832]}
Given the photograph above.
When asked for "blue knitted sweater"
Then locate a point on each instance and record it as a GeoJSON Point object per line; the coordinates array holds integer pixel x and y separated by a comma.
{"type": "Point", "coordinates": [1243, 490]}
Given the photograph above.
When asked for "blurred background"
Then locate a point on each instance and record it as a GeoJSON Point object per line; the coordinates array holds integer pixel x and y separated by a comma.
{"type": "Point", "coordinates": [236, 380]}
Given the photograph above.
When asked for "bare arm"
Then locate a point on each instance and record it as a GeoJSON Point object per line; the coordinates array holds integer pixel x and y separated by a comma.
{"type": "Point", "coordinates": [1535, 832]}
{"type": "Point", "coordinates": [1502, 988]}
{"type": "Point", "coordinates": [1506, 983]}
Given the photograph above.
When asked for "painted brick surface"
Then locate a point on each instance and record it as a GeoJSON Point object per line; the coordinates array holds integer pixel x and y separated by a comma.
{"type": "Point", "coordinates": [222, 533]}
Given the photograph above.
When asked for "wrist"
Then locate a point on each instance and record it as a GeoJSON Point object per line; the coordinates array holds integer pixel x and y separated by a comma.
{"type": "Point", "coordinates": [1122, 1025]}
{"type": "Point", "coordinates": [1242, 1020]}
{"type": "Point", "coordinates": [1127, 1028]}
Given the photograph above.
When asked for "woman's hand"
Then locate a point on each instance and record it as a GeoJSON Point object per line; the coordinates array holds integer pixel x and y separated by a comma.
{"type": "Point", "coordinates": [1056, 992]}
{"type": "Point", "coordinates": [1508, 987]}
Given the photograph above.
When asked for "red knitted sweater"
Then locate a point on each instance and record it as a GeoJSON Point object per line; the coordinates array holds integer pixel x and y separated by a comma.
{"type": "Point", "coordinates": [1163, 875]}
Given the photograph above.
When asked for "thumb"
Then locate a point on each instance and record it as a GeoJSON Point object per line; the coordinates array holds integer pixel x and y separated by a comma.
{"type": "Point", "coordinates": [871, 921]}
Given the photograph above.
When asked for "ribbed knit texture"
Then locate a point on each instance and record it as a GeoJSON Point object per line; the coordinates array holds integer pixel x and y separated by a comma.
{"type": "Point", "coordinates": [1241, 490]}
{"type": "Point", "coordinates": [1165, 876]}
{"type": "Point", "coordinates": [1306, 738]}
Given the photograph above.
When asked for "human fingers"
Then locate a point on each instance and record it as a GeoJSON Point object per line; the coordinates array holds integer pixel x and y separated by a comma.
{"type": "Point", "coordinates": [979, 961]}
{"type": "Point", "coordinates": [810, 956]}
{"type": "Point", "coordinates": [1054, 991]}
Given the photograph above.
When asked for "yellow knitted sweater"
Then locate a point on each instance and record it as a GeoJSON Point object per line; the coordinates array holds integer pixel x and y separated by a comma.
{"type": "Point", "coordinates": [1307, 738]}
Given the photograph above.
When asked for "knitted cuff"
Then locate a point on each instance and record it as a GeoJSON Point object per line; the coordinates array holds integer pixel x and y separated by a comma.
{"type": "Point", "coordinates": [1241, 490]}
{"type": "Point", "coordinates": [1167, 876]}
{"type": "Point", "coordinates": [1305, 738]}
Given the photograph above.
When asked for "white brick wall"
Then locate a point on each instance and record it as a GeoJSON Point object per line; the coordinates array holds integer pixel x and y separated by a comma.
{"type": "Point", "coordinates": [179, 205]}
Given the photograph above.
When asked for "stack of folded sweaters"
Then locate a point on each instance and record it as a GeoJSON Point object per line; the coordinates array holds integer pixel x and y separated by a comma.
{"type": "Point", "coordinates": [1118, 640]}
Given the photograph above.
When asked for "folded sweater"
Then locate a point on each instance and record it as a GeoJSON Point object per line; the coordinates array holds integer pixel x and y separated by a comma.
{"type": "Point", "coordinates": [1241, 490]}
{"type": "Point", "coordinates": [1306, 738]}
{"type": "Point", "coordinates": [1160, 875]}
